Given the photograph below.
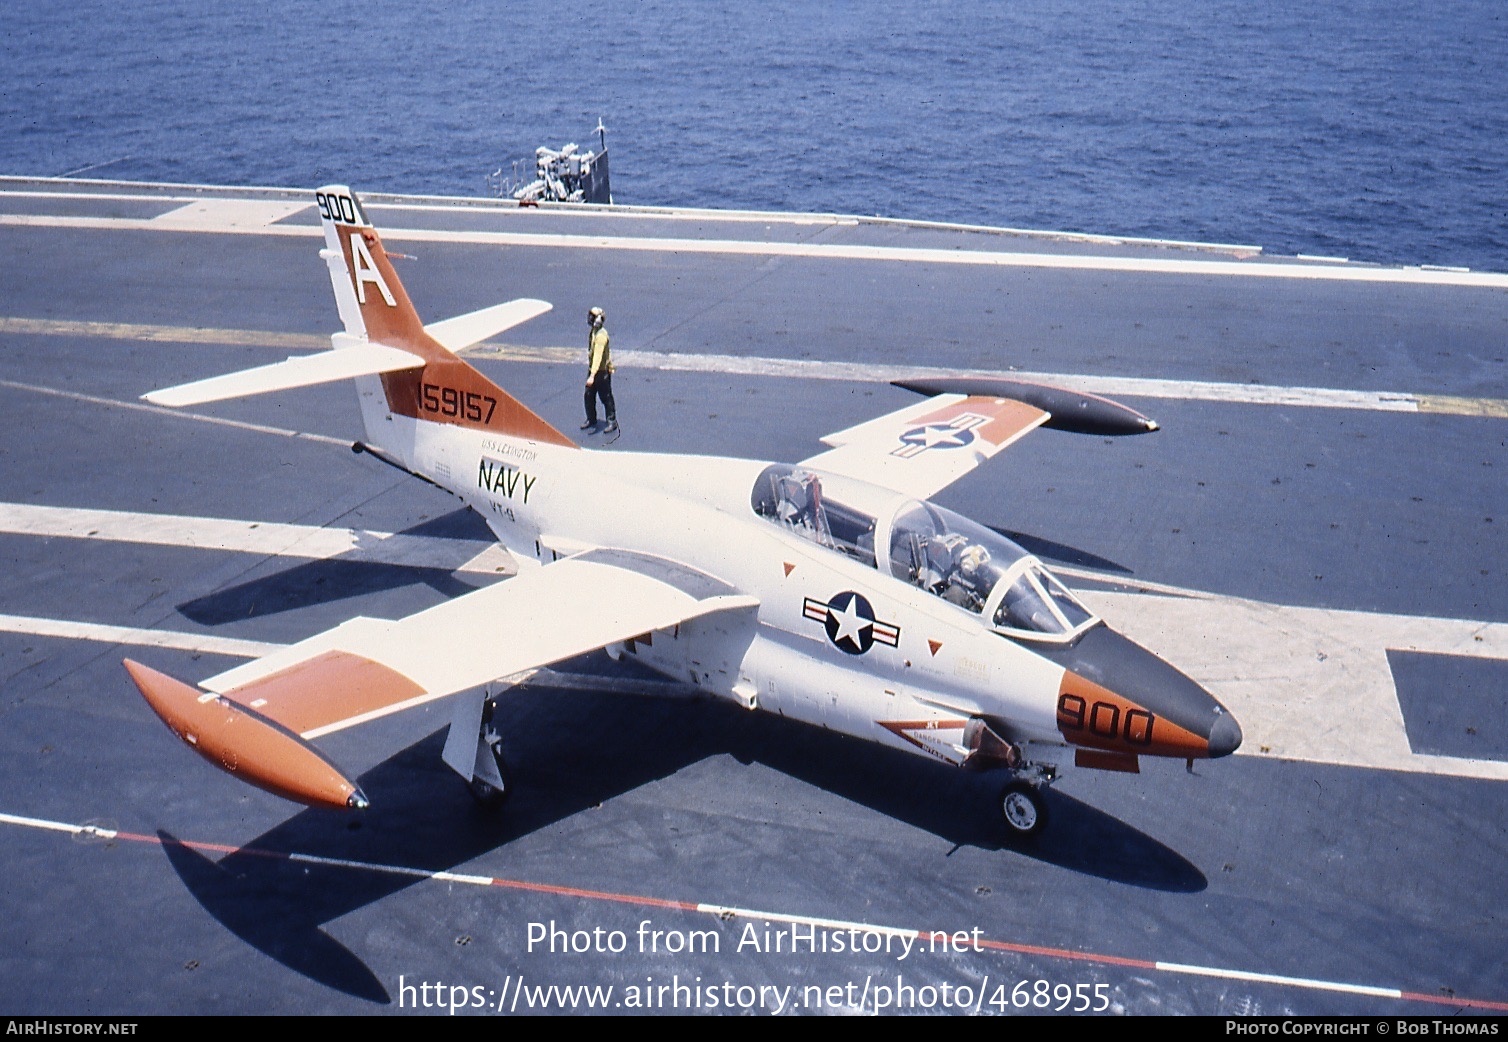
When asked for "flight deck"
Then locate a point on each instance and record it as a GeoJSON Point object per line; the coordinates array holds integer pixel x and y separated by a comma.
{"type": "Point", "coordinates": [1315, 534]}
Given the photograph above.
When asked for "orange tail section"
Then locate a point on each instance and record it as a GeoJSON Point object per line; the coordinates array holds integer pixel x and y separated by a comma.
{"type": "Point", "coordinates": [374, 305]}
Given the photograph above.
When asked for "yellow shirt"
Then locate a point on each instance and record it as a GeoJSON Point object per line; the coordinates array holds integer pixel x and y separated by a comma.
{"type": "Point", "coordinates": [599, 357]}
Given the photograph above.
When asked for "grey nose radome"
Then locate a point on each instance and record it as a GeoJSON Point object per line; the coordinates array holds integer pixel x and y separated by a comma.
{"type": "Point", "coordinates": [1225, 735]}
{"type": "Point", "coordinates": [1196, 724]}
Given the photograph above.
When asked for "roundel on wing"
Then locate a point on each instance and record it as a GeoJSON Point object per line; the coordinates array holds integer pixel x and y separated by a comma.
{"type": "Point", "coordinates": [938, 436]}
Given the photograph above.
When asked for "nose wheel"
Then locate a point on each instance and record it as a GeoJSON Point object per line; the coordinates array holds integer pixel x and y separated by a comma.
{"type": "Point", "coordinates": [1023, 809]}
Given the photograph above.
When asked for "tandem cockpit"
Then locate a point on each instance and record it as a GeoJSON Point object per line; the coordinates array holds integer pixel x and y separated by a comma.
{"type": "Point", "coordinates": [944, 553]}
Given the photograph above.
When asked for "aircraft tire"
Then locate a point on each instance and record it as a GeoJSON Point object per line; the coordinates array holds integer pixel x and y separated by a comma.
{"type": "Point", "coordinates": [485, 793]}
{"type": "Point", "coordinates": [1023, 810]}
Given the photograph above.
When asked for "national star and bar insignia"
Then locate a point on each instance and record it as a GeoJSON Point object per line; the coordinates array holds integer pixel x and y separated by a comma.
{"type": "Point", "coordinates": [850, 622]}
{"type": "Point", "coordinates": [954, 434]}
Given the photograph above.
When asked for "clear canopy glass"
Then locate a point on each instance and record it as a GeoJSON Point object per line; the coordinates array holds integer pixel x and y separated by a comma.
{"type": "Point", "coordinates": [929, 547]}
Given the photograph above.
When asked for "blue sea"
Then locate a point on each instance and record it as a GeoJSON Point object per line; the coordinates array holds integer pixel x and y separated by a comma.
{"type": "Point", "coordinates": [1371, 129]}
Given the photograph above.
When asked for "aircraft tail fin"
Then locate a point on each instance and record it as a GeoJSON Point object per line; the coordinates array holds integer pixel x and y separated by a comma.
{"type": "Point", "coordinates": [421, 376]}
{"type": "Point", "coordinates": [375, 308]}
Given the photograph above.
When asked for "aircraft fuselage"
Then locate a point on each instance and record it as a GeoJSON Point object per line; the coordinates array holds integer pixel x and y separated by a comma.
{"type": "Point", "coordinates": [834, 642]}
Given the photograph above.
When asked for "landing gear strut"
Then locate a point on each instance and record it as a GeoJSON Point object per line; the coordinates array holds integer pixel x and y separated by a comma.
{"type": "Point", "coordinates": [474, 749]}
{"type": "Point", "coordinates": [488, 792]}
{"type": "Point", "coordinates": [490, 787]}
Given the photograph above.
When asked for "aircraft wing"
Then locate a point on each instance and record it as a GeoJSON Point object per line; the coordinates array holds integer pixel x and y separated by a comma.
{"type": "Point", "coordinates": [929, 445]}
{"type": "Point", "coordinates": [255, 721]}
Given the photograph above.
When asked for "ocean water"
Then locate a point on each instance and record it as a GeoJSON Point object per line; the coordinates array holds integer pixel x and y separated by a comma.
{"type": "Point", "coordinates": [1372, 129]}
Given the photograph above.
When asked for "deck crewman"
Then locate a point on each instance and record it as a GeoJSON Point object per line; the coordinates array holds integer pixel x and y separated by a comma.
{"type": "Point", "coordinates": [599, 376]}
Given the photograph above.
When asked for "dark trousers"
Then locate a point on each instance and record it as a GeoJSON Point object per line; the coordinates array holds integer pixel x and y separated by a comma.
{"type": "Point", "coordinates": [601, 387]}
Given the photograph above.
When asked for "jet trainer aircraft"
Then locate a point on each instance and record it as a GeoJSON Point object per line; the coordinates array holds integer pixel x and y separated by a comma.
{"type": "Point", "coordinates": [830, 590]}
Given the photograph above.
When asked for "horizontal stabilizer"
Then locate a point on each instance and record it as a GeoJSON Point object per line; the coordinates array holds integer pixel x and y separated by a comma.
{"type": "Point", "coordinates": [1073, 411]}
{"type": "Point", "coordinates": [246, 744]}
{"type": "Point", "coordinates": [457, 334]}
{"type": "Point", "coordinates": [358, 359]}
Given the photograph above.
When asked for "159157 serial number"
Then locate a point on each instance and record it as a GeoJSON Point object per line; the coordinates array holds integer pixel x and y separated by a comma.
{"type": "Point", "coordinates": [448, 401]}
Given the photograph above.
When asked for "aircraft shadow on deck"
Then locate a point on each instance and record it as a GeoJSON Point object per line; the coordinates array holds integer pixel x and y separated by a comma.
{"type": "Point", "coordinates": [338, 578]}
{"type": "Point", "coordinates": [422, 817]}
{"type": "Point", "coordinates": [1060, 553]}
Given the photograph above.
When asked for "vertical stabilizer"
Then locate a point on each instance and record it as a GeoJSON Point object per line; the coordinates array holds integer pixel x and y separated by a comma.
{"type": "Point", "coordinates": [375, 307]}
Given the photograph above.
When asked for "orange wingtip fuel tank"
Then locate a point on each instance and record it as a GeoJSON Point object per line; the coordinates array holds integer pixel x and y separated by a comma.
{"type": "Point", "coordinates": [248, 746]}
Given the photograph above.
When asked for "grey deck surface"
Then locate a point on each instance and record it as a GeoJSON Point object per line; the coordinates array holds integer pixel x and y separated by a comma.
{"type": "Point", "coordinates": [631, 808]}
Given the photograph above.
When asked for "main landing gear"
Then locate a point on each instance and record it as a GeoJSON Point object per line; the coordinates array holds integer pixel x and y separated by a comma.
{"type": "Point", "coordinates": [474, 749]}
{"type": "Point", "coordinates": [488, 793]}
{"type": "Point", "coordinates": [490, 788]}
{"type": "Point", "coordinates": [1021, 803]}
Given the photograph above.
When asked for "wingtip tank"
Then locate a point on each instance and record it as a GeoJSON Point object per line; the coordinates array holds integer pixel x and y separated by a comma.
{"type": "Point", "coordinates": [240, 742]}
{"type": "Point", "coordinates": [1073, 411]}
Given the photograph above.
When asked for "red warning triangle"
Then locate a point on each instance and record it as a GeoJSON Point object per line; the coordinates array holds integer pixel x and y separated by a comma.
{"type": "Point", "coordinates": [935, 645]}
{"type": "Point", "coordinates": [789, 567]}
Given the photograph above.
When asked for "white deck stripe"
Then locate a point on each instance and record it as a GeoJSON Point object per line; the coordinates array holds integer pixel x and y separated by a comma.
{"type": "Point", "coordinates": [850, 372]}
{"type": "Point", "coordinates": [979, 258]}
{"type": "Point", "coordinates": [1110, 386]}
{"type": "Point", "coordinates": [339, 862]}
{"type": "Point", "coordinates": [215, 214]}
{"type": "Point", "coordinates": [1320, 271]}
{"type": "Point", "coordinates": [618, 213]}
{"type": "Point", "coordinates": [740, 365]}
{"type": "Point", "coordinates": [267, 538]}
{"type": "Point", "coordinates": [758, 915]}
{"type": "Point", "coordinates": [1273, 978]}
{"type": "Point", "coordinates": [56, 826]}
{"type": "Point", "coordinates": [170, 334]}
{"type": "Point", "coordinates": [375, 201]}
{"type": "Point", "coordinates": [257, 428]}
{"type": "Point", "coordinates": [146, 638]}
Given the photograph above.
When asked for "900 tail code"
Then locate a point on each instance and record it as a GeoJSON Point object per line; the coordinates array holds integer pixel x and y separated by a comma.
{"type": "Point", "coordinates": [336, 207]}
{"type": "Point", "coordinates": [448, 401]}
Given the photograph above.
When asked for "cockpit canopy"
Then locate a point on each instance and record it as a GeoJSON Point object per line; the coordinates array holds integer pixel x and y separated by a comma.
{"type": "Point", "coordinates": [927, 546]}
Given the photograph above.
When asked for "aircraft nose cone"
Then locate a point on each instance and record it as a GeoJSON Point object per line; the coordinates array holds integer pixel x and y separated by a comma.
{"type": "Point", "coordinates": [1185, 719]}
{"type": "Point", "coordinates": [1225, 736]}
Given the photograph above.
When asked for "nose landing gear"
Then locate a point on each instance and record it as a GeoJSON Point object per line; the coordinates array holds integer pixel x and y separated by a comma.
{"type": "Point", "coordinates": [1023, 809]}
{"type": "Point", "coordinates": [1022, 806]}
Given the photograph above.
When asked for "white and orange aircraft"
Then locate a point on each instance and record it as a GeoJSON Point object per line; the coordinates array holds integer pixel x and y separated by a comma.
{"type": "Point", "coordinates": [830, 591]}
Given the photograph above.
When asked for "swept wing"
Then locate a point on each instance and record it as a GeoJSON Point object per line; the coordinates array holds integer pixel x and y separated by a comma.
{"type": "Point", "coordinates": [256, 721]}
{"type": "Point", "coordinates": [929, 445]}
